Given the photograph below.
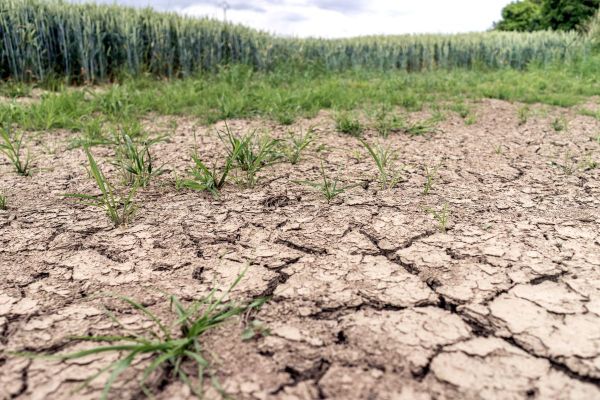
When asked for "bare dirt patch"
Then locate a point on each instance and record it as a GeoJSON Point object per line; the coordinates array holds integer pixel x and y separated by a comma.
{"type": "Point", "coordinates": [369, 298]}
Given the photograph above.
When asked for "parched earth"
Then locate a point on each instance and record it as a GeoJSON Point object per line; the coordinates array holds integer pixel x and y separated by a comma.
{"type": "Point", "coordinates": [370, 299]}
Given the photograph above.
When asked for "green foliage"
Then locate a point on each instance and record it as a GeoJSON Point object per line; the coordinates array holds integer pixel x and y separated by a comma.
{"type": "Point", "coordinates": [91, 133]}
{"type": "Point", "coordinates": [532, 15]}
{"type": "Point", "coordinates": [201, 177]}
{"type": "Point", "coordinates": [384, 158]}
{"type": "Point", "coordinates": [461, 109]}
{"type": "Point", "coordinates": [522, 16]}
{"type": "Point", "coordinates": [346, 122]}
{"type": "Point", "coordinates": [165, 346]}
{"type": "Point", "coordinates": [560, 124]}
{"type": "Point", "coordinates": [465, 112]}
{"type": "Point", "coordinates": [588, 163]}
{"type": "Point", "coordinates": [250, 152]}
{"type": "Point", "coordinates": [385, 121]}
{"type": "Point", "coordinates": [590, 113]}
{"type": "Point", "coordinates": [11, 146]}
{"type": "Point", "coordinates": [251, 94]}
{"type": "Point", "coordinates": [255, 329]}
{"type": "Point", "coordinates": [135, 160]}
{"type": "Point", "coordinates": [292, 147]}
{"type": "Point", "coordinates": [422, 127]}
{"type": "Point", "coordinates": [470, 119]}
{"type": "Point", "coordinates": [3, 202]}
{"type": "Point", "coordinates": [53, 42]}
{"type": "Point", "coordinates": [204, 178]}
{"type": "Point", "coordinates": [568, 165]}
{"type": "Point", "coordinates": [523, 114]}
{"type": "Point", "coordinates": [118, 208]}
{"type": "Point", "coordinates": [593, 31]}
{"type": "Point", "coordinates": [431, 174]}
{"type": "Point", "coordinates": [442, 216]}
{"type": "Point", "coordinates": [327, 187]}
{"type": "Point", "coordinates": [568, 15]}
{"type": "Point", "coordinates": [14, 89]}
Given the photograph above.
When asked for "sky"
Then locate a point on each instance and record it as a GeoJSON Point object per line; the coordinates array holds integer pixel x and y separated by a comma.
{"type": "Point", "coordinates": [341, 18]}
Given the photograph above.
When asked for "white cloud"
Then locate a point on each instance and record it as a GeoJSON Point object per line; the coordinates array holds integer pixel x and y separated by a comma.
{"type": "Point", "coordinates": [336, 18]}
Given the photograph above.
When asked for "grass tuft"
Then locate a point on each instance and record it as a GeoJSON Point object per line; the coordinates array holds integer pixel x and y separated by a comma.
{"type": "Point", "coordinates": [418, 128]}
{"type": "Point", "coordinates": [118, 208]}
{"type": "Point", "coordinates": [560, 124]}
{"type": "Point", "coordinates": [384, 122]}
{"type": "Point", "coordinates": [250, 152]}
{"type": "Point", "coordinates": [136, 161]}
{"type": "Point", "coordinates": [292, 147]}
{"type": "Point", "coordinates": [431, 174]}
{"type": "Point", "coordinates": [12, 146]}
{"type": "Point", "coordinates": [385, 159]}
{"type": "Point", "coordinates": [442, 216]}
{"type": "Point", "coordinates": [204, 178]}
{"type": "Point", "coordinates": [327, 187]}
{"type": "Point", "coordinates": [166, 349]}
{"type": "Point", "coordinates": [347, 123]}
{"type": "Point", "coordinates": [523, 114]}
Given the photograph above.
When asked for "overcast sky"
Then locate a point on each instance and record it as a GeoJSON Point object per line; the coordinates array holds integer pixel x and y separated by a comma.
{"type": "Point", "coordinates": [342, 18]}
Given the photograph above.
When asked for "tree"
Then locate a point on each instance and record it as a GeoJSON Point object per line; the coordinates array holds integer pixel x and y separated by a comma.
{"type": "Point", "coordinates": [567, 15]}
{"type": "Point", "coordinates": [523, 16]}
{"type": "Point", "coordinates": [531, 15]}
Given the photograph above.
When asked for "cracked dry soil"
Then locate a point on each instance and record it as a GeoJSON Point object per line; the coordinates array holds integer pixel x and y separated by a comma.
{"type": "Point", "coordinates": [369, 299]}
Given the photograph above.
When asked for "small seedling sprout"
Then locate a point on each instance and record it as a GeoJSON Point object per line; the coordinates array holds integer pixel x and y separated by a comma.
{"type": "Point", "coordinates": [588, 163]}
{"type": "Point", "coordinates": [328, 188]}
{"type": "Point", "coordinates": [523, 114]}
{"type": "Point", "coordinates": [12, 148]}
{"type": "Point", "coordinates": [384, 159]}
{"type": "Point", "coordinates": [136, 160]}
{"type": "Point", "coordinates": [470, 119]}
{"type": "Point", "coordinates": [430, 178]}
{"type": "Point", "coordinates": [442, 216]}
{"type": "Point", "coordinates": [385, 123]}
{"type": "Point", "coordinates": [560, 124]}
{"type": "Point", "coordinates": [255, 329]}
{"type": "Point", "coordinates": [418, 128]}
{"type": "Point", "coordinates": [118, 208]}
{"type": "Point", "coordinates": [293, 146]}
{"type": "Point", "coordinates": [204, 178]}
{"type": "Point", "coordinates": [568, 166]}
{"type": "Point", "coordinates": [250, 153]}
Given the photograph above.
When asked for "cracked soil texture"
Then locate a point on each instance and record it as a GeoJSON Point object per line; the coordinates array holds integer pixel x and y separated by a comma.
{"type": "Point", "coordinates": [369, 298]}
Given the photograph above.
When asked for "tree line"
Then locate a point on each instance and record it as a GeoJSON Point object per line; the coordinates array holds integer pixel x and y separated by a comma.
{"type": "Point", "coordinates": [535, 15]}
